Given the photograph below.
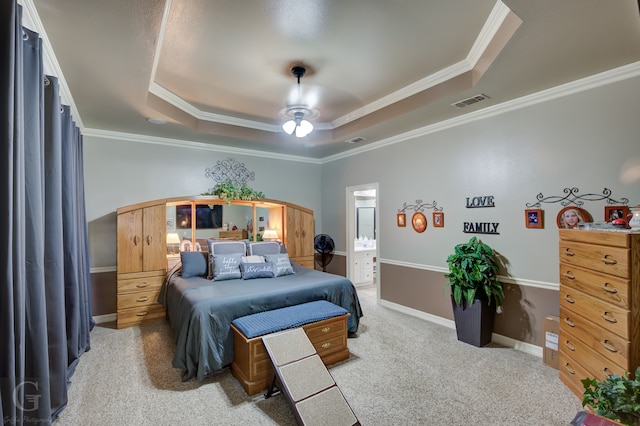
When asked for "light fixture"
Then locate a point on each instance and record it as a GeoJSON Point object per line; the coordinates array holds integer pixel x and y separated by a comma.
{"type": "Point", "coordinates": [297, 124]}
{"type": "Point", "coordinates": [270, 235]}
{"type": "Point", "coordinates": [173, 240]}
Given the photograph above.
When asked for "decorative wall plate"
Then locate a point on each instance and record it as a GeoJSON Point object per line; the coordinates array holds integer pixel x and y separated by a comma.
{"type": "Point", "coordinates": [419, 222]}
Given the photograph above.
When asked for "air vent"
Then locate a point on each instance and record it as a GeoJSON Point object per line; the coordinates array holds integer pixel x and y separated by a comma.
{"type": "Point", "coordinates": [470, 101]}
{"type": "Point", "coordinates": [355, 140]}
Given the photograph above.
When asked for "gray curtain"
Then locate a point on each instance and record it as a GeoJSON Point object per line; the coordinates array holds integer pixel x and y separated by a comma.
{"type": "Point", "coordinates": [45, 312]}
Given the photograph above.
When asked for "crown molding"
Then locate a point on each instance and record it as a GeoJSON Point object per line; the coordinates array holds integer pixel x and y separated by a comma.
{"type": "Point", "coordinates": [597, 80]}
{"type": "Point", "coordinates": [181, 143]}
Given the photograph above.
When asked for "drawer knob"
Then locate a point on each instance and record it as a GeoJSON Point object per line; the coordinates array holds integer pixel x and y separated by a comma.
{"type": "Point", "coordinates": [609, 289]}
{"type": "Point", "coordinates": [142, 299]}
{"type": "Point", "coordinates": [326, 329]}
{"type": "Point", "coordinates": [141, 314]}
{"type": "Point", "coordinates": [142, 285]}
{"type": "Point", "coordinates": [569, 299]}
{"type": "Point", "coordinates": [608, 261]}
{"type": "Point", "coordinates": [608, 346]}
{"type": "Point", "coordinates": [569, 369]}
{"type": "Point", "coordinates": [609, 318]}
{"type": "Point", "coordinates": [326, 345]}
{"type": "Point", "coordinates": [568, 252]}
{"type": "Point", "coordinates": [136, 239]}
{"type": "Point", "coordinates": [569, 275]}
{"type": "Point", "coordinates": [569, 322]}
{"type": "Point", "coordinates": [569, 345]}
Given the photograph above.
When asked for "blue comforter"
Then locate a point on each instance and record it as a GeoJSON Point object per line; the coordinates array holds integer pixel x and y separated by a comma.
{"type": "Point", "coordinates": [200, 311]}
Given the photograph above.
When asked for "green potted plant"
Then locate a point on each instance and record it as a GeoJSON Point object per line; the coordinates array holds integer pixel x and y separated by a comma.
{"type": "Point", "coordinates": [476, 292]}
{"type": "Point", "coordinates": [228, 190]}
{"type": "Point", "coordinates": [616, 397]}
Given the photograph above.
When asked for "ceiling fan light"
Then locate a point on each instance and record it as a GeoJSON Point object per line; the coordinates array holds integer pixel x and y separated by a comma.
{"type": "Point", "coordinates": [289, 126]}
{"type": "Point", "coordinates": [304, 129]}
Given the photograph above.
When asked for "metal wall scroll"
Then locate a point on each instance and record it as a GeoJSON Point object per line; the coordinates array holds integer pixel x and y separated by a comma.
{"type": "Point", "coordinates": [573, 197]}
{"type": "Point", "coordinates": [230, 169]}
{"type": "Point", "coordinates": [572, 214]}
{"type": "Point", "coordinates": [419, 220]}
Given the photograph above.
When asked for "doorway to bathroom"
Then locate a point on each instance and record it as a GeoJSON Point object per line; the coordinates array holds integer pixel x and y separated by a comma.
{"type": "Point", "coordinates": [363, 241]}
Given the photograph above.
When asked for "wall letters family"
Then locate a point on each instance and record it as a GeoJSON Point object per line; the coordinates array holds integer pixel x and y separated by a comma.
{"type": "Point", "coordinates": [480, 227]}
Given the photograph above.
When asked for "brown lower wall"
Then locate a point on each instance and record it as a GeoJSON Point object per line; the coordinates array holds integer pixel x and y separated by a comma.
{"type": "Point", "coordinates": [103, 293]}
{"type": "Point", "coordinates": [523, 310]}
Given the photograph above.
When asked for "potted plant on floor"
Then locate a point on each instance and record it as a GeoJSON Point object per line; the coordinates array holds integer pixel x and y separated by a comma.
{"type": "Point", "coordinates": [476, 292]}
{"type": "Point", "coordinates": [616, 397]}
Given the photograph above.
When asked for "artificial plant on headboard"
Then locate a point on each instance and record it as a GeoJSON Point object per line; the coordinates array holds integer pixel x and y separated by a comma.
{"type": "Point", "coordinates": [231, 179]}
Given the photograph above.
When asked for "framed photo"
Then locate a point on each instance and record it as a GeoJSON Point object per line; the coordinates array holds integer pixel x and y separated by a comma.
{"type": "Point", "coordinates": [612, 213]}
{"type": "Point", "coordinates": [438, 219]}
{"type": "Point", "coordinates": [419, 222]}
{"type": "Point", "coordinates": [570, 217]}
{"type": "Point", "coordinates": [402, 219]}
{"type": "Point", "coordinates": [533, 218]}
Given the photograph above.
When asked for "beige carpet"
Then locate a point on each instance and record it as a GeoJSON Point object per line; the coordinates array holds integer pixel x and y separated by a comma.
{"type": "Point", "coordinates": [402, 371]}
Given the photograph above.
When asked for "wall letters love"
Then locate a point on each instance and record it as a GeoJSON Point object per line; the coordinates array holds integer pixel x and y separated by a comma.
{"type": "Point", "coordinates": [480, 227]}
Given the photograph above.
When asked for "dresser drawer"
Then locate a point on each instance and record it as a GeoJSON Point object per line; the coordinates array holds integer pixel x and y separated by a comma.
{"type": "Point", "coordinates": [604, 342]}
{"type": "Point", "coordinates": [306, 261]}
{"type": "Point", "coordinates": [606, 315]}
{"type": "Point", "coordinates": [606, 287]}
{"type": "Point", "coordinates": [609, 260]}
{"type": "Point", "coordinates": [596, 365]}
{"type": "Point", "coordinates": [134, 316]}
{"type": "Point", "coordinates": [329, 327]}
{"type": "Point", "coordinates": [140, 284]}
{"type": "Point", "coordinates": [137, 299]}
{"type": "Point", "coordinates": [572, 373]}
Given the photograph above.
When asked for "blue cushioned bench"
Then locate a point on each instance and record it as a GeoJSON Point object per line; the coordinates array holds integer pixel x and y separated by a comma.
{"type": "Point", "coordinates": [262, 323]}
{"type": "Point", "coordinates": [324, 323]}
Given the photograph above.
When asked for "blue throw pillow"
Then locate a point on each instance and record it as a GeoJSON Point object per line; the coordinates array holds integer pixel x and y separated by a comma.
{"type": "Point", "coordinates": [193, 264]}
{"type": "Point", "coordinates": [281, 263]}
{"type": "Point", "coordinates": [226, 266]}
{"type": "Point", "coordinates": [256, 270]}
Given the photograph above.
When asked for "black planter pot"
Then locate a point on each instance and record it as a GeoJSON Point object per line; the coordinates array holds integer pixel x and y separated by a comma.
{"type": "Point", "coordinates": [474, 324]}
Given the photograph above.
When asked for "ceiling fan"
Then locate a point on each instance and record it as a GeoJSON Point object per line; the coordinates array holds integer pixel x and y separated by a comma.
{"type": "Point", "coordinates": [297, 123]}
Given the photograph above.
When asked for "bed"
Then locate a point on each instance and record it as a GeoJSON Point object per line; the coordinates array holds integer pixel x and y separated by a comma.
{"type": "Point", "coordinates": [201, 306]}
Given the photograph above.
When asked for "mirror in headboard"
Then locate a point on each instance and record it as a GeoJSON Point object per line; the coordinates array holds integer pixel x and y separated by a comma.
{"type": "Point", "coordinates": [207, 216]}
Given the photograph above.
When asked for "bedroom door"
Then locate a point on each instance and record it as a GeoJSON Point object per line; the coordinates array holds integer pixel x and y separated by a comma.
{"type": "Point", "coordinates": [362, 234]}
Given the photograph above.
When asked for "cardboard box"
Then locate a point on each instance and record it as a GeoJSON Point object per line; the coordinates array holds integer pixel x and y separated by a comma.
{"type": "Point", "coordinates": [551, 327]}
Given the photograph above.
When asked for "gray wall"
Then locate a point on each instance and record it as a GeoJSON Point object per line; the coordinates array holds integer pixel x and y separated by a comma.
{"type": "Point", "coordinates": [582, 140]}
{"type": "Point", "coordinates": [123, 172]}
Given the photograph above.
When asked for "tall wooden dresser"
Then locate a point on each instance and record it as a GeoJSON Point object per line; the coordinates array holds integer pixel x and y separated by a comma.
{"type": "Point", "coordinates": [599, 304]}
{"type": "Point", "coordinates": [141, 261]}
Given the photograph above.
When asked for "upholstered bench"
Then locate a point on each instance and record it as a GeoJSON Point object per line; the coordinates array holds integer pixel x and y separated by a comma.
{"type": "Point", "coordinates": [324, 323]}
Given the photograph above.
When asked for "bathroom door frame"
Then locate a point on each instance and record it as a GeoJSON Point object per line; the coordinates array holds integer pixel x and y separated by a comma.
{"type": "Point", "coordinates": [351, 229]}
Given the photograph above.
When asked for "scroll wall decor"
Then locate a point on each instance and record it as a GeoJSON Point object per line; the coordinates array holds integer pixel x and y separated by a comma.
{"type": "Point", "coordinates": [230, 170]}
{"type": "Point", "coordinates": [573, 212]}
{"type": "Point", "coordinates": [419, 220]}
{"type": "Point", "coordinates": [231, 179]}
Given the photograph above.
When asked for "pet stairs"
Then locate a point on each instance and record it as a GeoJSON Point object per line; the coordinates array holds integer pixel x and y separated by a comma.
{"type": "Point", "coordinates": [300, 374]}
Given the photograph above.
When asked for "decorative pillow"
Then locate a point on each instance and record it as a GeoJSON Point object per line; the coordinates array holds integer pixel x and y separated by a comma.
{"type": "Point", "coordinates": [256, 270]}
{"type": "Point", "coordinates": [281, 263]}
{"type": "Point", "coordinates": [193, 264]}
{"type": "Point", "coordinates": [223, 247]}
{"type": "Point", "coordinates": [226, 266]}
{"type": "Point", "coordinates": [264, 248]}
{"type": "Point", "coordinates": [252, 259]}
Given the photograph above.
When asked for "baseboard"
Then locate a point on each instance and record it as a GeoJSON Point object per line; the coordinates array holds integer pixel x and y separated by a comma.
{"type": "Point", "coordinates": [495, 338]}
{"type": "Point", "coordinates": [101, 319]}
